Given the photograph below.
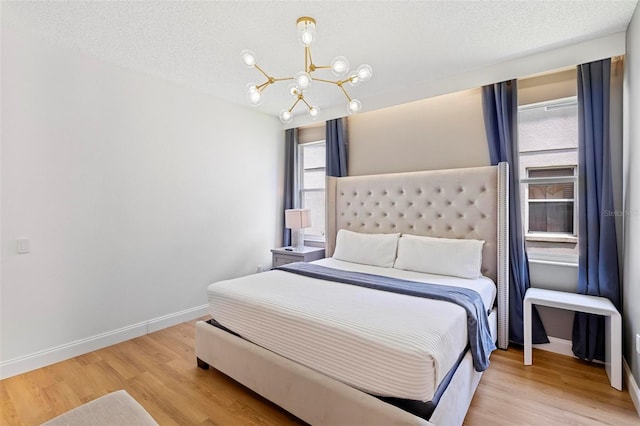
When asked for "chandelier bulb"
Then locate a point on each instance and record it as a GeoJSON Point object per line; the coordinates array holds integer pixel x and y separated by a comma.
{"type": "Point", "coordinates": [248, 57]}
{"type": "Point", "coordinates": [254, 95]}
{"type": "Point", "coordinates": [293, 89]}
{"type": "Point", "coordinates": [307, 37]}
{"type": "Point", "coordinates": [354, 80]}
{"type": "Point", "coordinates": [306, 29]}
{"type": "Point", "coordinates": [364, 72]}
{"type": "Point", "coordinates": [302, 80]}
{"type": "Point", "coordinates": [340, 65]}
{"type": "Point", "coordinates": [314, 112]}
{"type": "Point", "coordinates": [354, 106]}
{"type": "Point", "coordinates": [285, 116]}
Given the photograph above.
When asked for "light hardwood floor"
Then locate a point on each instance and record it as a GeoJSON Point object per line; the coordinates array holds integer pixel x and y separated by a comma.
{"type": "Point", "coordinates": [159, 371]}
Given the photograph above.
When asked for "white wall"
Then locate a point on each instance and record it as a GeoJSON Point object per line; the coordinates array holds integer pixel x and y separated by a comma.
{"type": "Point", "coordinates": [631, 178]}
{"type": "Point", "coordinates": [135, 194]}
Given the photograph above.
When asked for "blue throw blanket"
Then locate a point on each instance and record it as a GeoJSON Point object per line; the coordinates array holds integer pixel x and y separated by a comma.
{"type": "Point", "coordinates": [480, 340]}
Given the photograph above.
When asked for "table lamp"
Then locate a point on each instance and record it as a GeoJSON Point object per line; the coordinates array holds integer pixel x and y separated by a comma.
{"type": "Point", "coordinates": [297, 220]}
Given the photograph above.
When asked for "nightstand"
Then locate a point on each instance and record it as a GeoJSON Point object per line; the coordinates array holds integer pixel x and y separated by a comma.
{"type": "Point", "coordinates": [284, 255]}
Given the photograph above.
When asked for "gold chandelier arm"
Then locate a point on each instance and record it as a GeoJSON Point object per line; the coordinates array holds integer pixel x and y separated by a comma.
{"type": "Point", "coordinates": [307, 59]}
{"type": "Point", "coordinates": [326, 81]}
{"type": "Point", "coordinates": [345, 92]}
{"type": "Point", "coordinates": [338, 83]}
{"type": "Point", "coordinates": [262, 71]}
{"type": "Point", "coordinates": [309, 66]}
{"type": "Point", "coordinates": [271, 80]}
{"type": "Point", "coordinates": [263, 86]}
{"type": "Point", "coordinates": [296, 103]}
{"type": "Point", "coordinates": [306, 103]}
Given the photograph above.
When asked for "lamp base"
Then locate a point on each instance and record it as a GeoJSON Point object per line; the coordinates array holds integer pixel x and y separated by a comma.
{"type": "Point", "coordinates": [299, 239]}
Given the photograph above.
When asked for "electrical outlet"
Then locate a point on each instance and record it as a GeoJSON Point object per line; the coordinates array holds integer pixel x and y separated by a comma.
{"type": "Point", "coordinates": [638, 344]}
{"type": "Point", "coordinates": [24, 245]}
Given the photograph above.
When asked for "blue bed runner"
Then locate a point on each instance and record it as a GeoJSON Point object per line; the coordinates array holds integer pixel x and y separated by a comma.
{"type": "Point", "coordinates": [480, 340]}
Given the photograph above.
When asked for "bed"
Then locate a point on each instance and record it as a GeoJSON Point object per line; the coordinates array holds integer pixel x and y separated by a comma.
{"type": "Point", "coordinates": [332, 353]}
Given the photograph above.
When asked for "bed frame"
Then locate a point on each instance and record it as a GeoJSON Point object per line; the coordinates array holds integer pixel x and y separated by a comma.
{"type": "Point", "coordinates": [455, 203]}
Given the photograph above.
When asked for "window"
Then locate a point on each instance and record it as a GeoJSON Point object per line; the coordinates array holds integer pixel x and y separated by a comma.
{"type": "Point", "coordinates": [551, 204]}
{"type": "Point", "coordinates": [311, 184]}
{"type": "Point", "coordinates": [548, 140]}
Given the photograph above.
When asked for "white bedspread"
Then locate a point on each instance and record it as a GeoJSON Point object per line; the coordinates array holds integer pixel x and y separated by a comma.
{"type": "Point", "coordinates": [381, 343]}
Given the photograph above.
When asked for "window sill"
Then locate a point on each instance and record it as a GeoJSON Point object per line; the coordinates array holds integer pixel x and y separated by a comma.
{"type": "Point", "coordinates": [314, 238]}
{"type": "Point", "coordinates": [554, 263]}
{"type": "Point", "coordinates": [552, 238]}
{"type": "Point", "coordinates": [557, 259]}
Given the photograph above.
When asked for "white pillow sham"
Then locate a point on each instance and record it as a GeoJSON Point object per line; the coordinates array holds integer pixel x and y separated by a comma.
{"type": "Point", "coordinates": [443, 256]}
{"type": "Point", "coordinates": [368, 249]}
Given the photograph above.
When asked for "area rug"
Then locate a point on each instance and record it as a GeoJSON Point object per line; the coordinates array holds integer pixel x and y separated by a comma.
{"type": "Point", "coordinates": [116, 408]}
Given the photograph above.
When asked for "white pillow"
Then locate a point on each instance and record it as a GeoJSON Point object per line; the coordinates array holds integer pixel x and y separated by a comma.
{"type": "Point", "coordinates": [443, 256]}
{"type": "Point", "coordinates": [369, 249]}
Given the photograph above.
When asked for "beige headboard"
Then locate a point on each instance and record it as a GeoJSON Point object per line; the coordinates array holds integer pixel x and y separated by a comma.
{"type": "Point", "coordinates": [454, 203]}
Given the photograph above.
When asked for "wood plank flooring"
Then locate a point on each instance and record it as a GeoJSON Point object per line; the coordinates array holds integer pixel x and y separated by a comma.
{"type": "Point", "coordinates": [159, 371]}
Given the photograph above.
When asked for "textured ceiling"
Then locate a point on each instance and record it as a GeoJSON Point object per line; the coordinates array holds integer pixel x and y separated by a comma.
{"type": "Point", "coordinates": [197, 44]}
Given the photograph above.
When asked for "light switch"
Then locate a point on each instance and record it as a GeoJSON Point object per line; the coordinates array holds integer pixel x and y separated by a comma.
{"type": "Point", "coordinates": [24, 245]}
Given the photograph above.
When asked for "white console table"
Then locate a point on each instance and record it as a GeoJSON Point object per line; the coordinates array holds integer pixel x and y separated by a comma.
{"type": "Point", "coordinates": [580, 303]}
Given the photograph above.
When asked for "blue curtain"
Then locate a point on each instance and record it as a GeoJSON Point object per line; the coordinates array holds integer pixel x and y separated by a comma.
{"type": "Point", "coordinates": [336, 144]}
{"type": "Point", "coordinates": [500, 108]}
{"type": "Point", "coordinates": [290, 153]}
{"type": "Point", "coordinates": [598, 262]}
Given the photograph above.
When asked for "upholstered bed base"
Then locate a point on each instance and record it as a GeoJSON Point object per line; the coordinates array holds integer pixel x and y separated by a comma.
{"type": "Point", "coordinates": [316, 398]}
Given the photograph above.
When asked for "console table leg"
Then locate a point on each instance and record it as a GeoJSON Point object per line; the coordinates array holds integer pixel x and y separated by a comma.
{"type": "Point", "coordinates": [527, 332]}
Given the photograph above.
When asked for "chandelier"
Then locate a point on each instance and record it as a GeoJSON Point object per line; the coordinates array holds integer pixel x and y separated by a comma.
{"type": "Point", "coordinates": [303, 80]}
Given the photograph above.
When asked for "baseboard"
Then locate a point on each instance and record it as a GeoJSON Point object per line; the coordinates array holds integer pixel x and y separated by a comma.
{"type": "Point", "coordinates": [165, 321]}
{"type": "Point", "coordinates": [561, 347]}
{"type": "Point", "coordinates": [556, 345]}
{"type": "Point", "coordinates": [632, 386]}
{"type": "Point", "coordinates": [59, 353]}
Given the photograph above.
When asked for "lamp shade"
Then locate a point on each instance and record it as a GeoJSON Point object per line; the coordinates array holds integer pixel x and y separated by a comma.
{"type": "Point", "coordinates": [297, 218]}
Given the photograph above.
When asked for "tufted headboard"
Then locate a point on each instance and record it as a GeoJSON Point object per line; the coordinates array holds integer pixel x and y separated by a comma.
{"type": "Point", "coordinates": [454, 203]}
